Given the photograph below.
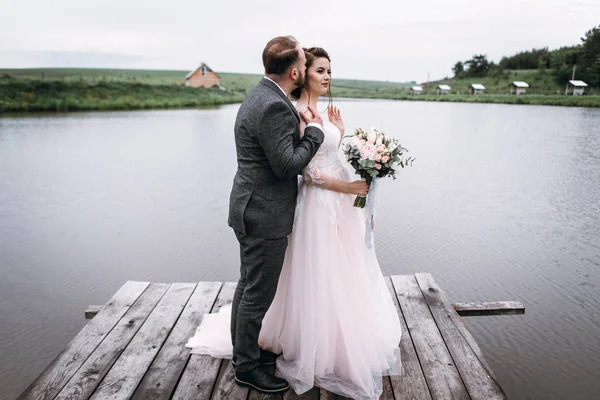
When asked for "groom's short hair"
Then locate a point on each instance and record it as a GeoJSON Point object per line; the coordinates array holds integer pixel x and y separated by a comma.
{"type": "Point", "coordinates": [280, 54]}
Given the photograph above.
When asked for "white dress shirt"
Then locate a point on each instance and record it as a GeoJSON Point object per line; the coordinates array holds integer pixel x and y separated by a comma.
{"type": "Point", "coordinates": [285, 94]}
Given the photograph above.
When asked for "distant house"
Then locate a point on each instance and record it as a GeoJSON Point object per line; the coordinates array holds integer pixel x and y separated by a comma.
{"type": "Point", "coordinates": [518, 87]}
{"type": "Point", "coordinates": [443, 89]}
{"type": "Point", "coordinates": [416, 90]}
{"type": "Point", "coordinates": [202, 76]}
{"type": "Point", "coordinates": [476, 88]}
{"type": "Point", "coordinates": [575, 88]}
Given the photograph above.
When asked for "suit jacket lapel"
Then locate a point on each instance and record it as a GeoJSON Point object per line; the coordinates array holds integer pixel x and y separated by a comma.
{"type": "Point", "coordinates": [280, 93]}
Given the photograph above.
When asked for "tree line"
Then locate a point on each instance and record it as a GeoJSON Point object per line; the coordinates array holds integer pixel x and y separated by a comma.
{"type": "Point", "coordinates": [584, 57]}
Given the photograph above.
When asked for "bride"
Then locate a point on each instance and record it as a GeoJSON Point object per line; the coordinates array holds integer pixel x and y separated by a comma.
{"type": "Point", "coordinates": [332, 320]}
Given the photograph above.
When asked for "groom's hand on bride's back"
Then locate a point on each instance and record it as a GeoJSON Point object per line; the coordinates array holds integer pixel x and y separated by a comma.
{"type": "Point", "coordinates": [311, 115]}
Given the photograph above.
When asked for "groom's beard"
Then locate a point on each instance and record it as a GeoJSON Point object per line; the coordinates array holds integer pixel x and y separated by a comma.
{"type": "Point", "coordinates": [299, 81]}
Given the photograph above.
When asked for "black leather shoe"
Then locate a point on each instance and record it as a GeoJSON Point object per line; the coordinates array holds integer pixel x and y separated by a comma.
{"type": "Point", "coordinates": [263, 381]}
{"type": "Point", "coordinates": [266, 358]}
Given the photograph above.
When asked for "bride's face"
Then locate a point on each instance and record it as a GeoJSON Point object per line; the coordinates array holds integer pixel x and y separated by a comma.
{"type": "Point", "coordinates": [319, 76]}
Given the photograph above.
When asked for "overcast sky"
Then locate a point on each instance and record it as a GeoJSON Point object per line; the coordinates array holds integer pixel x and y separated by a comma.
{"type": "Point", "coordinates": [370, 39]}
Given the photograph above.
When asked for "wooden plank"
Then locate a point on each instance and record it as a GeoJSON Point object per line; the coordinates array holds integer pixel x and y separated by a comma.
{"type": "Point", "coordinates": [411, 384]}
{"type": "Point", "coordinates": [129, 369]}
{"type": "Point", "coordinates": [461, 327]}
{"type": "Point", "coordinates": [312, 394]}
{"type": "Point", "coordinates": [388, 393]}
{"type": "Point", "coordinates": [89, 376]}
{"type": "Point", "coordinates": [442, 377]}
{"type": "Point", "coordinates": [200, 375]}
{"type": "Point", "coordinates": [163, 375]}
{"type": "Point", "coordinates": [474, 373]}
{"type": "Point", "coordinates": [326, 395]}
{"type": "Point", "coordinates": [489, 308]}
{"type": "Point", "coordinates": [254, 395]}
{"type": "Point", "coordinates": [92, 311]}
{"type": "Point", "coordinates": [58, 373]}
{"type": "Point", "coordinates": [225, 387]}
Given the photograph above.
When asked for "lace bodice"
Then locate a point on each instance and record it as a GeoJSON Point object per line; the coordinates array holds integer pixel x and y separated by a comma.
{"type": "Point", "coordinates": [329, 160]}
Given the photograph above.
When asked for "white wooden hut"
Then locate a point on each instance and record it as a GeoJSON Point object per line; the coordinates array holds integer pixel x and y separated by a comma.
{"type": "Point", "coordinates": [518, 87]}
{"type": "Point", "coordinates": [443, 89]}
{"type": "Point", "coordinates": [575, 88]}
{"type": "Point", "coordinates": [415, 90]}
{"type": "Point", "coordinates": [476, 88]}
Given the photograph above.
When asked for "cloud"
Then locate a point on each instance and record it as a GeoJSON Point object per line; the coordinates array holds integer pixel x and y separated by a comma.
{"type": "Point", "coordinates": [377, 39]}
{"type": "Point", "coordinates": [75, 59]}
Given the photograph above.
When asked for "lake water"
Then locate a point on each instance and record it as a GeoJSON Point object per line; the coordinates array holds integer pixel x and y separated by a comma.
{"type": "Point", "coordinates": [502, 203]}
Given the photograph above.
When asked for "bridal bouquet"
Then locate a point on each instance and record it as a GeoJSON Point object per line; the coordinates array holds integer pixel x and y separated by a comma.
{"type": "Point", "coordinates": [373, 154]}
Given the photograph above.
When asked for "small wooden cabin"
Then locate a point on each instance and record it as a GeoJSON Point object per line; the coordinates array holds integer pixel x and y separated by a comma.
{"type": "Point", "coordinates": [416, 90]}
{"type": "Point", "coordinates": [576, 88]}
{"type": "Point", "coordinates": [476, 88]}
{"type": "Point", "coordinates": [518, 87]}
{"type": "Point", "coordinates": [203, 76]}
{"type": "Point", "coordinates": [443, 89]}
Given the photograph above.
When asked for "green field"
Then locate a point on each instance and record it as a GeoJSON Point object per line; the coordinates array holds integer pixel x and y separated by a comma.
{"type": "Point", "coordinates": [543, 90]}
{"type": "Point", "coordinates": [232, 81]}
{"type": "Point", "coordinates": [47, 95]}
{"type": "Point", "coordinates": [78, 89]}
{"type": "Point", "coordinates": [70, 89]}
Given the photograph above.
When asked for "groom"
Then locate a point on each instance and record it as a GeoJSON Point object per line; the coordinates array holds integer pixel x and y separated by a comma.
{"type": "Point", "coordinates": [270, 155]}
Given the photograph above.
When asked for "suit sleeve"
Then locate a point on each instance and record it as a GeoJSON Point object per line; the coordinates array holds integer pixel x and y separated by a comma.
{"type": "Point", "coordinates": [276, 136]}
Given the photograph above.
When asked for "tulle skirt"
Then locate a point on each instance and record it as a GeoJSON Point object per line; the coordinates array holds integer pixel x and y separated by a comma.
{"type": "Point", "coordinates": [332, 319]}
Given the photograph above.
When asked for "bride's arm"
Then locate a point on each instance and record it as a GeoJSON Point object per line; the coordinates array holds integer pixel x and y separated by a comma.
{"type": "Point", "coordinates": [313, 176]}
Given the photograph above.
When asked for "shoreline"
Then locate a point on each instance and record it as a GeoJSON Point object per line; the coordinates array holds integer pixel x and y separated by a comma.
{"type": "Point", "coordinates": [64, 107]}
{"type": "Point", "coordinates": [55, 96]}
{"type": "Point", "coordinates": [532, 100]}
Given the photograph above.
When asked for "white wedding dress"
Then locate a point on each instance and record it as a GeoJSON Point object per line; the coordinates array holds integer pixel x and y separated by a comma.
{"type": "Point", "coordinates": [332, 319]}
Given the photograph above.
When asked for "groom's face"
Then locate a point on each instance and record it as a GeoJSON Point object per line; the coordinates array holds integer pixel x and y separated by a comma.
{"type": "Point", "coordinates": [300, 68]}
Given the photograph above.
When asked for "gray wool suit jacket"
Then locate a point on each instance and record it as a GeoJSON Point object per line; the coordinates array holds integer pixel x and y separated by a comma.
{"type": "Point", "coordinates": [270, 155]}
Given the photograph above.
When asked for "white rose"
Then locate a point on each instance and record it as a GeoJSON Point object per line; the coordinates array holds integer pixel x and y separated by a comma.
{"type": "Point", "coordinates": [371, 135]}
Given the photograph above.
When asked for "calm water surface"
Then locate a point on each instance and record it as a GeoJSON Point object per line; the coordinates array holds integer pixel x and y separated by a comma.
{"type": "Point", "coordinates": [503, 203]}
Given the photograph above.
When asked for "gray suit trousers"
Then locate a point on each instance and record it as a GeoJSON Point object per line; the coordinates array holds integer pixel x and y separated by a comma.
{"type": "Point", "coordinates": [261, 262]}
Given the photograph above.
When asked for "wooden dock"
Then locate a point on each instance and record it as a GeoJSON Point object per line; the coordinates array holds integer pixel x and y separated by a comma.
{"type": "Point", "coordinates": [134, 348]}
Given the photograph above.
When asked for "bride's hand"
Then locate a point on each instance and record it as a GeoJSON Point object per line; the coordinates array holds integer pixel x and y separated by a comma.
{"type": "Point", "coordinates": [335, 117]}
{"type": "Point", "coordinates": [359, 188]}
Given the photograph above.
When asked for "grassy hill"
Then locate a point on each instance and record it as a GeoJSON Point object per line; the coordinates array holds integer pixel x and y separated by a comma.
{"type": "Point", "coordinates": [47, 95]}
{"type": "Point", "coordinates": [69, 89]}
{"type": "Point", "coordinates": [232, 81]}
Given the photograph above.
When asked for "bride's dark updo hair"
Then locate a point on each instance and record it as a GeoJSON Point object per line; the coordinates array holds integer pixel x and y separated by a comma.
{"type": "Point", "coordinates": [312, 53]}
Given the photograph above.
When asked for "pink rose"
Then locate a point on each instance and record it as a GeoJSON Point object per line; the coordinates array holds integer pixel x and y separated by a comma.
{"type": "Point", "coordinates": [367, 152]}
{"type": "Point", "coordinates": [385, 159]}
{"type": "Point", "coordinates": [377, 157]}
{"type": "Point", "coordinates": [380, 149]}
{"type": "Point", "coordinates": [377, 166]}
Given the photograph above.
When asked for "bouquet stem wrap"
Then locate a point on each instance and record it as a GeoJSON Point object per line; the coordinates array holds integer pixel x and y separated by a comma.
{"type": "Point", "coordinates": [361, 201]}
{"type": "Point", "coordinates": [372, 199]}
